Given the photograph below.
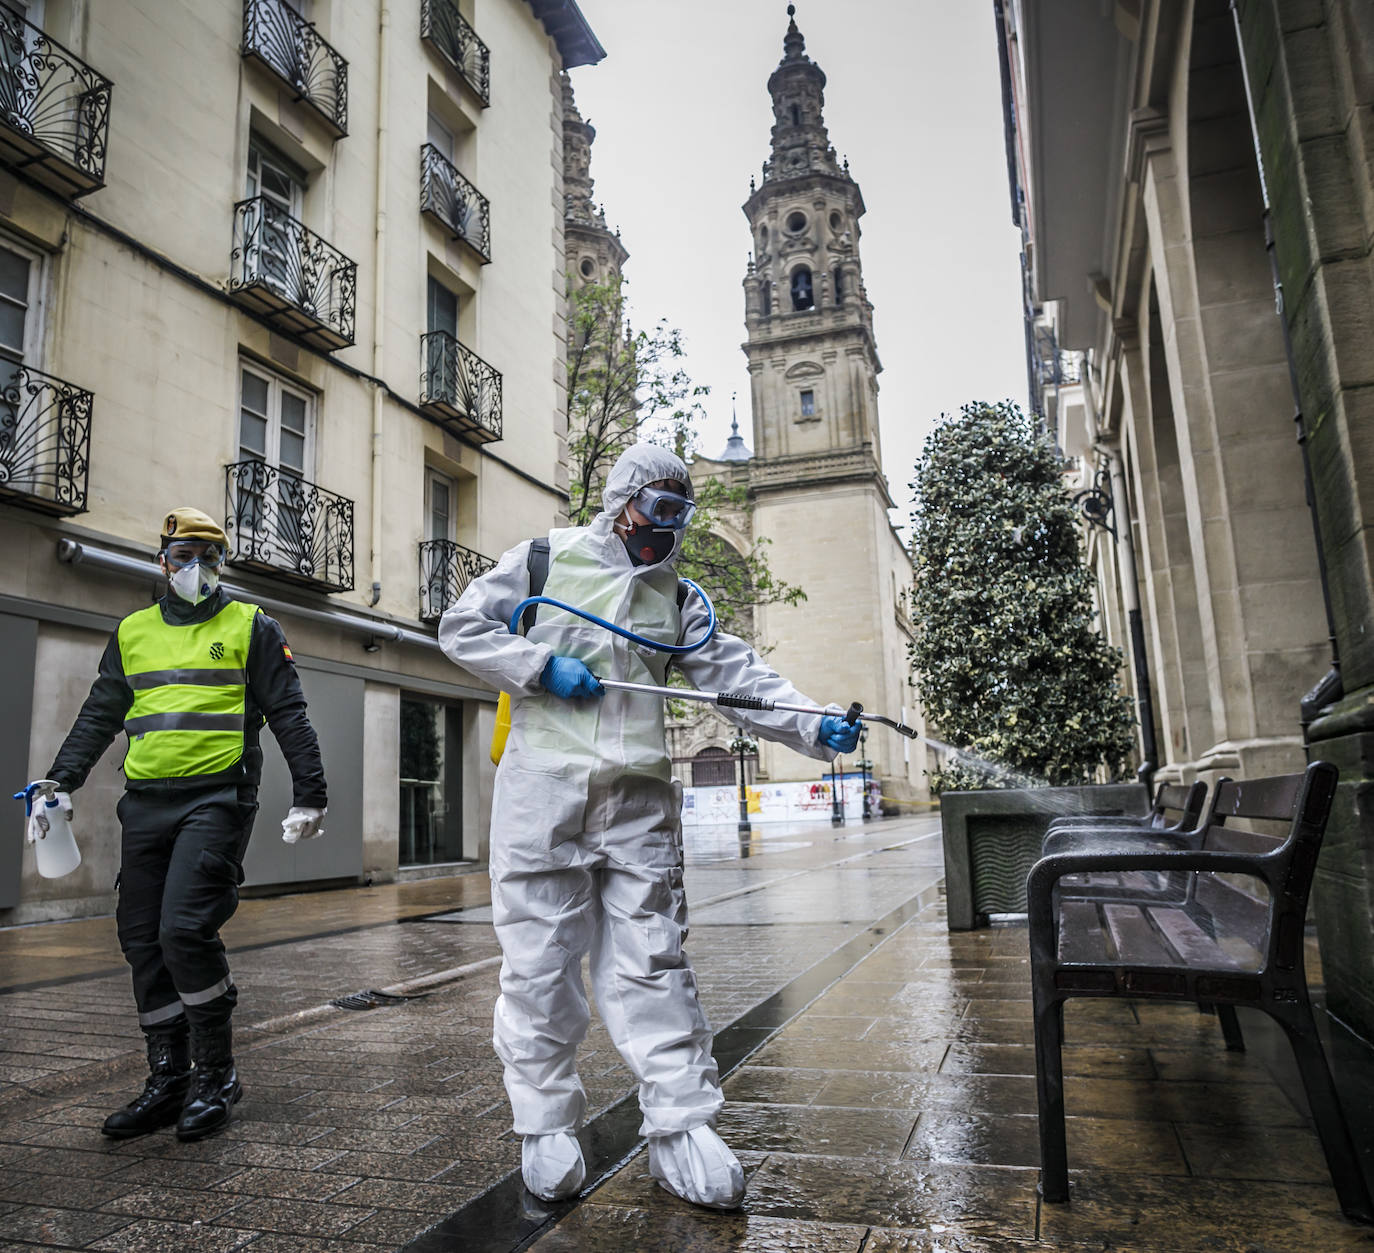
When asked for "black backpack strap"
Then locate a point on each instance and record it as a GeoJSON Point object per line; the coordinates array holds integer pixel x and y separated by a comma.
{"type": "Point", "coordinates": [682, 593]}
{"type": "Point", "coordinates": [537, 563]}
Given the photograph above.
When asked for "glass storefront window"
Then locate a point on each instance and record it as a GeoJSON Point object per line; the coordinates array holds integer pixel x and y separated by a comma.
{"type": "Point", "coordinates": [431, 828]}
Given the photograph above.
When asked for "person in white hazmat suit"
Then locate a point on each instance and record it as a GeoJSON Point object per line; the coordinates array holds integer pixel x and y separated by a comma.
{"type": "Point", "coordinates": [586, 834]}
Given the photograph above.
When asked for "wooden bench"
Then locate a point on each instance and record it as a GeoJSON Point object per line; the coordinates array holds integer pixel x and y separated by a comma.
{"type": "Point", "coordinates": [1219, 922]}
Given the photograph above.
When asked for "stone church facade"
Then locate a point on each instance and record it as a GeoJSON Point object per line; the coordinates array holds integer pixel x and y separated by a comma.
{"type": "Point", "coordinates": [815, 486]}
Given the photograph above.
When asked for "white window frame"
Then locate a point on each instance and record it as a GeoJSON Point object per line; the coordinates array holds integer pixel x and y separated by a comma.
{"type": "Point", "coordinates": [433, 476]}
{"type": "Point", "coordinates": [277, 386]}
{"type": "Point", "coordinates": [35, 311]}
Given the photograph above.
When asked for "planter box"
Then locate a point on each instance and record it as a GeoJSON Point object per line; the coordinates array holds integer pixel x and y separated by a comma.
{"type": "Point", "coordinates": [992, 839]}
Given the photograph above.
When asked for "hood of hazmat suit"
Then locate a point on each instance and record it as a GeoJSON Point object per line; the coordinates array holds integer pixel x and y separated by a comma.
{"type": "Point", "coordinates": [586, 836]}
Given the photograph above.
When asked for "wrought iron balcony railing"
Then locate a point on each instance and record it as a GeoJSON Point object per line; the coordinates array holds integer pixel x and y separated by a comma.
{"type": "Point", "coordinates": [279, 523]}
{"type": "Point", "coordinates": [454, 203]}
{"type": "Point", "coordinates": [457, 386]}
{"type": "Point", "coordinates": [276, 36]}
{"type": "Point", "coordinates": [283, 269]}
{"type": "Point", "coordinates": [448, 33]}
{"type": "Point", "coordinates": [45, 440]}
{"type": "Point", "coordinates": [446, 569]}
{"type": "Point", "coordinates": [54, 110]}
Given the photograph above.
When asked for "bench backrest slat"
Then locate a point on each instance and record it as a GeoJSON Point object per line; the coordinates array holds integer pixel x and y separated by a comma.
{"type": "Point", "coordinates": [1274, 798]}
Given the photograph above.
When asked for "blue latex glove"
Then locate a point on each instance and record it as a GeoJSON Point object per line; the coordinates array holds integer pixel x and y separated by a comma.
{"type": "Point", "coordinates": [568, 678]}
{"type": "Point", "coordinates": [838, 734]}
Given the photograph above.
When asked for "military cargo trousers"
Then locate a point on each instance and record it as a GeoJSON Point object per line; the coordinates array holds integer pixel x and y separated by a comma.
{"type": "Point", "coordinates": [181, 864]}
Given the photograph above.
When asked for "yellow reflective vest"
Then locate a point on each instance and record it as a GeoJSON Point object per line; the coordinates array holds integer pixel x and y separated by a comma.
{"type": "Point", "coordinates": [190, 690]}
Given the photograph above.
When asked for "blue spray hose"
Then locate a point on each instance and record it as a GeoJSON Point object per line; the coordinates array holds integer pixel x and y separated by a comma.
{"type": "Point", "coordinates": [676, 649]}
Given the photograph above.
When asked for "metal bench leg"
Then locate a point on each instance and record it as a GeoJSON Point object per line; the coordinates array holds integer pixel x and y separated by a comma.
{"type": "Point", "coordinates": [1049, 1095]}
{"type": "Point", "coordinates": [1230, 1028]}
{"type": "Point", "coordinates": [1341, 1158]}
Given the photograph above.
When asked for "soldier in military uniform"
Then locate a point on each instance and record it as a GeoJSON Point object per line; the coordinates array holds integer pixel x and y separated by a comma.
{"type": "Point", "coordinates": [191, 681]}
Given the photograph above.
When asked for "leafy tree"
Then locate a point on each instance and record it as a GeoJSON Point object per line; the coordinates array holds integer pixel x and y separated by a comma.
{"type": "Point", "coordinates": [623, 386]}
{"type": "Point", "coordinates": [1007, 659]}
{"type": "Point", "coordinates": [626, 385]}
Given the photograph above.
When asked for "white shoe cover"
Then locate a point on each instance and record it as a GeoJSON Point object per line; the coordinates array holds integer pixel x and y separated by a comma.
{"type": "Point", "coordinates": [697, 1166]}
{"type": "Point", "coordinates": [552, 1165]}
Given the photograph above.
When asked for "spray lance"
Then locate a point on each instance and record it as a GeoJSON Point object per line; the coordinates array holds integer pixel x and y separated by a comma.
{"type": "Point", "coordinates": [723, 700]}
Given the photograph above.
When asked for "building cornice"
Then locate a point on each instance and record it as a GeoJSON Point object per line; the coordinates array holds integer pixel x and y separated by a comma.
{"type": "Point", "coordinates": [570, 31]}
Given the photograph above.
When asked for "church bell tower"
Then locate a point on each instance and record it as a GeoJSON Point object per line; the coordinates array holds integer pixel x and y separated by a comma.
{"type": "Point", "coordinates": [816, 486]}
{"type": "Point", "coordinates": [812, 357]}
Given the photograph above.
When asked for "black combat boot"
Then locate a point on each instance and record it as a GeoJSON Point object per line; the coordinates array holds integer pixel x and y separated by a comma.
{"type": "Point", "coordinates": [215, 1085]}
{"type": "Point", "coordinates": [160, 1102]}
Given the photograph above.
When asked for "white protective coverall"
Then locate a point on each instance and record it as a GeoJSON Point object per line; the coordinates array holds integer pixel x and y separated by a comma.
{"type": "Point", "coordinates": [586, 833]}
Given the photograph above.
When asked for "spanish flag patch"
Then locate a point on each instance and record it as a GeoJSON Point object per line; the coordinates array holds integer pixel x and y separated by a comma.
{"type": "Point", "coordinates": [286, 651]}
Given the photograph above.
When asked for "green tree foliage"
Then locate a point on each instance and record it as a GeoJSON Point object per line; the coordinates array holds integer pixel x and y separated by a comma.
{"type": "Point", "coordinates": [625, 386]}
{"type": "Point", "coordinates": [1007, 658]}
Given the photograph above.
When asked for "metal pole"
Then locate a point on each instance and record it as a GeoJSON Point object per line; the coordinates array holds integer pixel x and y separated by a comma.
{"type": "Point", "coordinates": [836, 803]}
{"type": "Point", "coordinates": [864, 765]}
{"type": "Point", "coordinates": [1130, 595]}
{"type": "Point", "coordinates": [744, 827]}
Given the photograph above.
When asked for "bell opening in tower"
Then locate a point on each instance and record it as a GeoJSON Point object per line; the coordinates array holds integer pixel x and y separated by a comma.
{"type": "Point", "coordinates": [803, 296]}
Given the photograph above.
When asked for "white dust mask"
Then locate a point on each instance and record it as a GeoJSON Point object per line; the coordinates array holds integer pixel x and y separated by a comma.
{"type": "Point", "coordinates": [194, 582]}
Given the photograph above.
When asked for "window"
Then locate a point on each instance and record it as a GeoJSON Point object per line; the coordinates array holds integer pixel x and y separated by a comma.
{"type": "Point", "coordinates": [588, 267]}
{"type": "Point", "coordinates": [802, 295]}
{"type": "Point", "coordinates": [796, 222]}
{"type": "Point", "coordinates": [838, 276]}
{"type": "Point", "coordinates": [273, 255]}
{"type": "Point", "coordinates": [442, 308]}
{"type": "Point", "coordinates": [439, 522]}
{"type": "Point", "coordinates": [441, 357]}
{"type": "Point", "coordinates": [766, 297]}
{"type": "Point", "coordinates": [431, 829]}
{"type": "Point", "coordinates": [276, 427]}
{"type": "Point", "coordinates": [20, 320]}
{"type": "Point", "coordinates": [796, 115]}
{"type": "Point", "coordinates": [808, 404]}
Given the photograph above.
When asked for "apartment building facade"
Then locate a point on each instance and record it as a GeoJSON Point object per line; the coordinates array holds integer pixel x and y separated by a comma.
{"type": "Point", "coordinates": [298, 263]}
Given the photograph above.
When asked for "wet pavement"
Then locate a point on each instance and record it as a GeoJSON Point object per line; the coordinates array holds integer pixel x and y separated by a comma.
{"type": "Point", "coordinates": [879, 1071]}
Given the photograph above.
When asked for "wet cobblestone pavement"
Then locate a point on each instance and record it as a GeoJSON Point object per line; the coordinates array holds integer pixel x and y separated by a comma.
{"type": "Point", "coordinates": [880, 1085]}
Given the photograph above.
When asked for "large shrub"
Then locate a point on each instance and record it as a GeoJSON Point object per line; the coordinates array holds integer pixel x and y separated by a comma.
{"type": "Point", "coordinates": [1008, 659]}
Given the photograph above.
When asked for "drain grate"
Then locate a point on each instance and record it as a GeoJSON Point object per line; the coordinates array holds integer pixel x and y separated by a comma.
{"type": "Point", "coordinates": [371, 998]}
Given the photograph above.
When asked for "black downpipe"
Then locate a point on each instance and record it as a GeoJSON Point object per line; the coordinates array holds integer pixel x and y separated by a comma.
{"type": "Point", "coordinates": [1331, 687]}
{"type": "Point", "coordinates": [1149, 746]}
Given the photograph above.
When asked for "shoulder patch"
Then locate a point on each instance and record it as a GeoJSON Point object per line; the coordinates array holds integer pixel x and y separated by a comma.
{"type": "Point", "coordinates": [286, 652]}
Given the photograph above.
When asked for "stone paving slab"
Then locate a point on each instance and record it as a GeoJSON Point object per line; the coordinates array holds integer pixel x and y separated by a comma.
{"type": "Point", "coordinates": [893, 1112]}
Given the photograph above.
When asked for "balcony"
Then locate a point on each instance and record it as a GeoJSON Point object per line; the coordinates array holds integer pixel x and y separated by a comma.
{"type": "Point", "coordinates": [459, 388]}
{"type": "Point", "coordinates": [280, 524]}
{"type": "Point", "coordinates": [278, 38]}
{"type": "Point", "coordinates": [286, 272]}
{"type": "Point", "coordinates": [54, 110]}
{"type": "Point", "coordinates": [454, 203]}
{"type": "Point", "coordinates": [45, 440]}
{"type": "Point", "coordinates": [445, 30]}
{"type": "Point", "coordinates": [446, 569]}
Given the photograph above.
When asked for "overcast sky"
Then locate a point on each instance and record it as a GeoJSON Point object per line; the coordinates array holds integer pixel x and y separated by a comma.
{"type": "Point", "coordinates": [913, 97]}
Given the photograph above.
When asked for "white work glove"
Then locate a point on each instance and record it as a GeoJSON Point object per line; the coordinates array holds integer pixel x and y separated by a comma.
{"type": "Point", "coordinates": [302, 824]}
{"type": "Point", "coordinates": [33, 796]}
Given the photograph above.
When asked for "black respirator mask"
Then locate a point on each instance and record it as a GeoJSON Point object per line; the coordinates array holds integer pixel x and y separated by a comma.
{"type": "Point", "coordinates": [647, 545]}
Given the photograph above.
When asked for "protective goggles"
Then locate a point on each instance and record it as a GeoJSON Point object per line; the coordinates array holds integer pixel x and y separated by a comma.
{"type": "Point", "coordinates": [181, 554]}
{"type": "Point", "coordinates": [664, 508]}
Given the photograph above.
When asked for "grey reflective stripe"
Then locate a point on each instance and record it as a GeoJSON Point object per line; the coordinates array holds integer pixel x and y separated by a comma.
{"type": "Point", "coordinates": [210, 993]}
{"type": "Point", "coordinates": [165, 1014]}
{"type": "Point", "coordinates": [204, 678]}
{"type": "Point", "coordinates": [184, 722]}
